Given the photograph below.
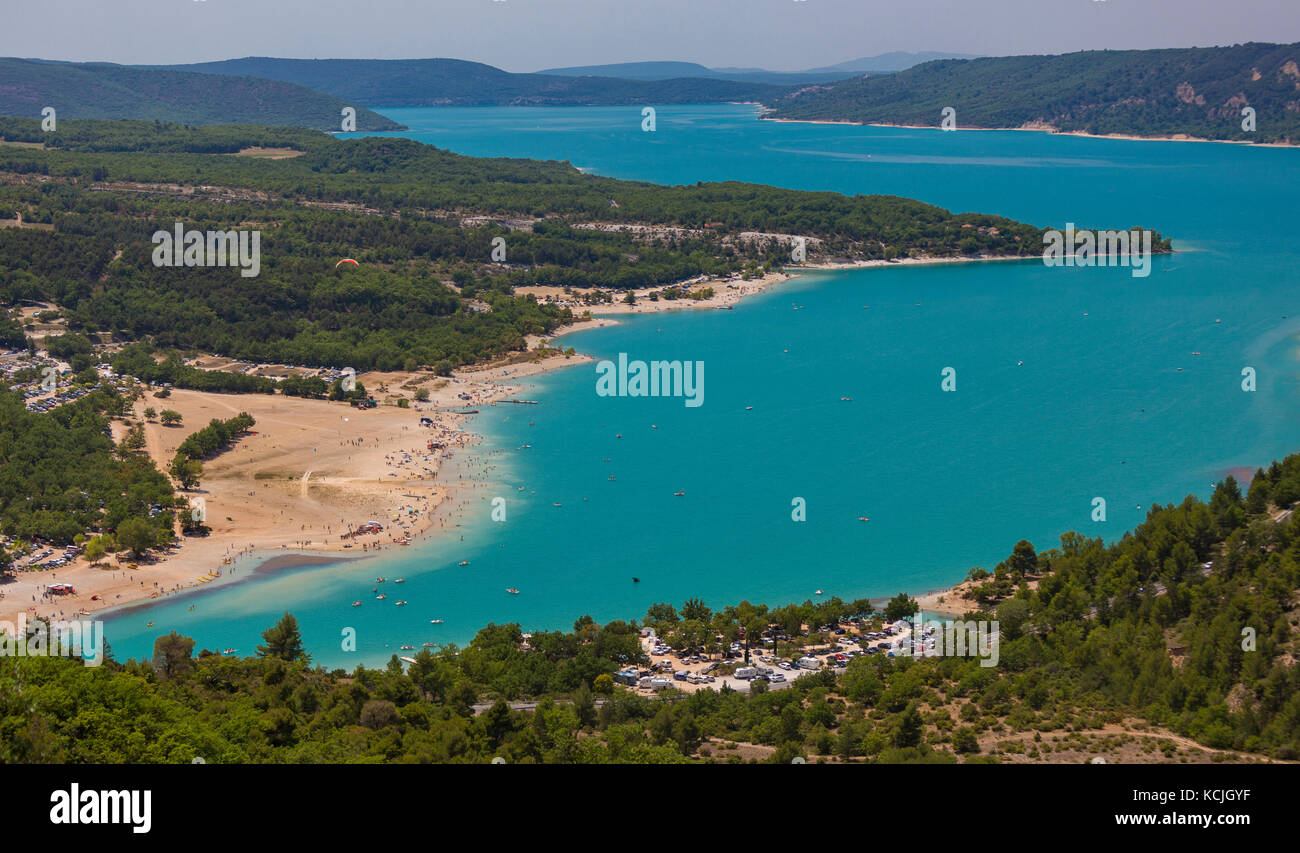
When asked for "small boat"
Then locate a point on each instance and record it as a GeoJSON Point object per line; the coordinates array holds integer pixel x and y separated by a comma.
{"type": "Point", "coordinates": [846, 399]}
{"type": "Point", "coordinates": [399, 602]}
{"type": "Point", "coordinates": [636, 580]}
{"type": "Point", "coordinates": [400, 580]}
{"type": "Point", "coordinates": [381, 597]}
{"type": "Point", "coordinates": [356, 604]}
{"type": "Point", "coordinates": [150, 625]}
{"type": "Point", "coordinates": [681, 494]}
{"type": "Point", "coordinates": [509, 589]}
{"type": "Point", "coordinates": [407, 648]}
{"type": "Point", "coordinates": [749, 408]}
{"type": "Point", "coordinates": [818, 592]}
{"type": "Point", "coordinates": [464, 562]}
{"type": "Point", "coordinates": [428, 645]}
{"type": "Point", "coordinates": [379, 580]}
{"type": "Point", "coordinates": [863, 518]}
{"type": "Point", "coordinates": [557, 503]}
{"type": "Point", "coordinates": [435, 621]}
{"type": "Point", "coordinates": [227, 651]}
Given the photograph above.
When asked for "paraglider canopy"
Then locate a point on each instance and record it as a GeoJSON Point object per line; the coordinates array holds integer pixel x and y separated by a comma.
{"type": "Point", "coordinates": [347, 261]}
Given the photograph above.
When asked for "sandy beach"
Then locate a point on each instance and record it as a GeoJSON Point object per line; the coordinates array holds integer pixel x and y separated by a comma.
{"type": "Point", "coordinates": [310, 473]}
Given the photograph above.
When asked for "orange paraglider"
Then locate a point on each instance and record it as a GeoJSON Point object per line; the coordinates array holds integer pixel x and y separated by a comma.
{"type": "Point", "coordinates": [347, 261]}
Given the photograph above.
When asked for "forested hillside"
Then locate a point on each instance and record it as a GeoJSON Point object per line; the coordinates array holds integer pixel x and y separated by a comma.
{"type": "Point", "coordinates": [400, 208]}
{"type": "Point", "coordinates": [1199, 92]}
{"type": "Point", "coordinates": [457, 83]}
{"type": "Point", "coordinates": [97, 90]}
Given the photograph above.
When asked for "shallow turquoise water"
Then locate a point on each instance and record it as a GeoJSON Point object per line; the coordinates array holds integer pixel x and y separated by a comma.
{"type": "Point", "coordinates": [1098, 408]}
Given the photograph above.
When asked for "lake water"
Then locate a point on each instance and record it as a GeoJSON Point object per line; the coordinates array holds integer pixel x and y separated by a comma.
{"type": "Point", "coordinates": [1068, 389]}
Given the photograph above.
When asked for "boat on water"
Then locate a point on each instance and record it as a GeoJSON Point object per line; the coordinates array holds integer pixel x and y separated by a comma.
{"type": "Point", "coordinates": [407, 648]}
{"type": "Point", "coordinates": [228, 651]}
{"type": "Point", "coordinates": [399, 603]}
{"type": "Point", "coordinates": [381, 596]}
{"type": "Point", "coordinates": [400, 580]}
{"type": "Point", "coordinates": [557, 503]}
{"type": "Point", "coordinates": [509, 589]}
{"type": "Point", "coordinates": [818, 592]}
{"type": "Point", "coordinates": [379, 580]}
{"type": "Point", "coordinates": [464, 562]}
{"type": "Point", "coordinates": [356, 604]}
{"type": "Point", "coordinates": [435, 621]}
{"type": "Point", "coordinates": [680, 494]}
{"type": "Point", "coordinates": [429, 645]}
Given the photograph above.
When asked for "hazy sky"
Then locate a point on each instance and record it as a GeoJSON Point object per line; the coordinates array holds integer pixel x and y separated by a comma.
{"type": "Point", "coordinates": [528, 35]}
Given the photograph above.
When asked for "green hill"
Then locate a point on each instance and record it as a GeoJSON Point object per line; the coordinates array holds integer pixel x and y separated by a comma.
{"type": "Point", "coordinates": [1199, 92]}
{"type": "Point", "coordinates": [457, 83]}
{"type": "Point", "coordinates": [104, 91]}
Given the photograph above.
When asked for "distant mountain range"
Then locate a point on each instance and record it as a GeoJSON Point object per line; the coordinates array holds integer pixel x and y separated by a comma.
{"type": "Point", "coordinates": [101, 90]}
{"type": "Point", "coordinates": [1198, 92]}
{"type": "Point", "coordinates": [885, 63]}
{"type": "Point", "coordinates": [455, 82]}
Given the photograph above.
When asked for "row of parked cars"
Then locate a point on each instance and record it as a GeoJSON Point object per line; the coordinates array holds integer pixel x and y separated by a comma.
{"type": "Point", "coordinates": [50, 403]}
{"type": "Point", "coordinates": [38, 560]}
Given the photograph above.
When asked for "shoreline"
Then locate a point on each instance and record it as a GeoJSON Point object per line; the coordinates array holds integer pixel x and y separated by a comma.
{"type": "Point", "coordinates": [333, 481]}
{"type": "Point", "coordinates": [1176, 137]}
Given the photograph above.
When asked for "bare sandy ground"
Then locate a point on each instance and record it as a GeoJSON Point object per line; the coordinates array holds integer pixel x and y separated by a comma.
{"type": "Point", "coordinates": [310, 472]}
{"type": "Point", "coordinates": [726, 293]}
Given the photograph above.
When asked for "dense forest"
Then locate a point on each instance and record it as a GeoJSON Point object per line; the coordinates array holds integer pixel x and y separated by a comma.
{"type": "Point", "coordinates": [1102, 648]}
{"type": "Point", "coordinates": [425, 292]}
{"type": "Point", "coordinates": [1197, 91]}
{"type": "Point", "coordinates": [104, 91]}
{"type": "Point", "coordinates": [61, 475]}
{"type": "Point", "coordinates": [458, 83]}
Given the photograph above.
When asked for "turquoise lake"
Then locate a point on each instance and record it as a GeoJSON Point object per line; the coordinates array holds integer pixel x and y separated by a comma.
{"type": "Point", "coordinates": [1068, 388]}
